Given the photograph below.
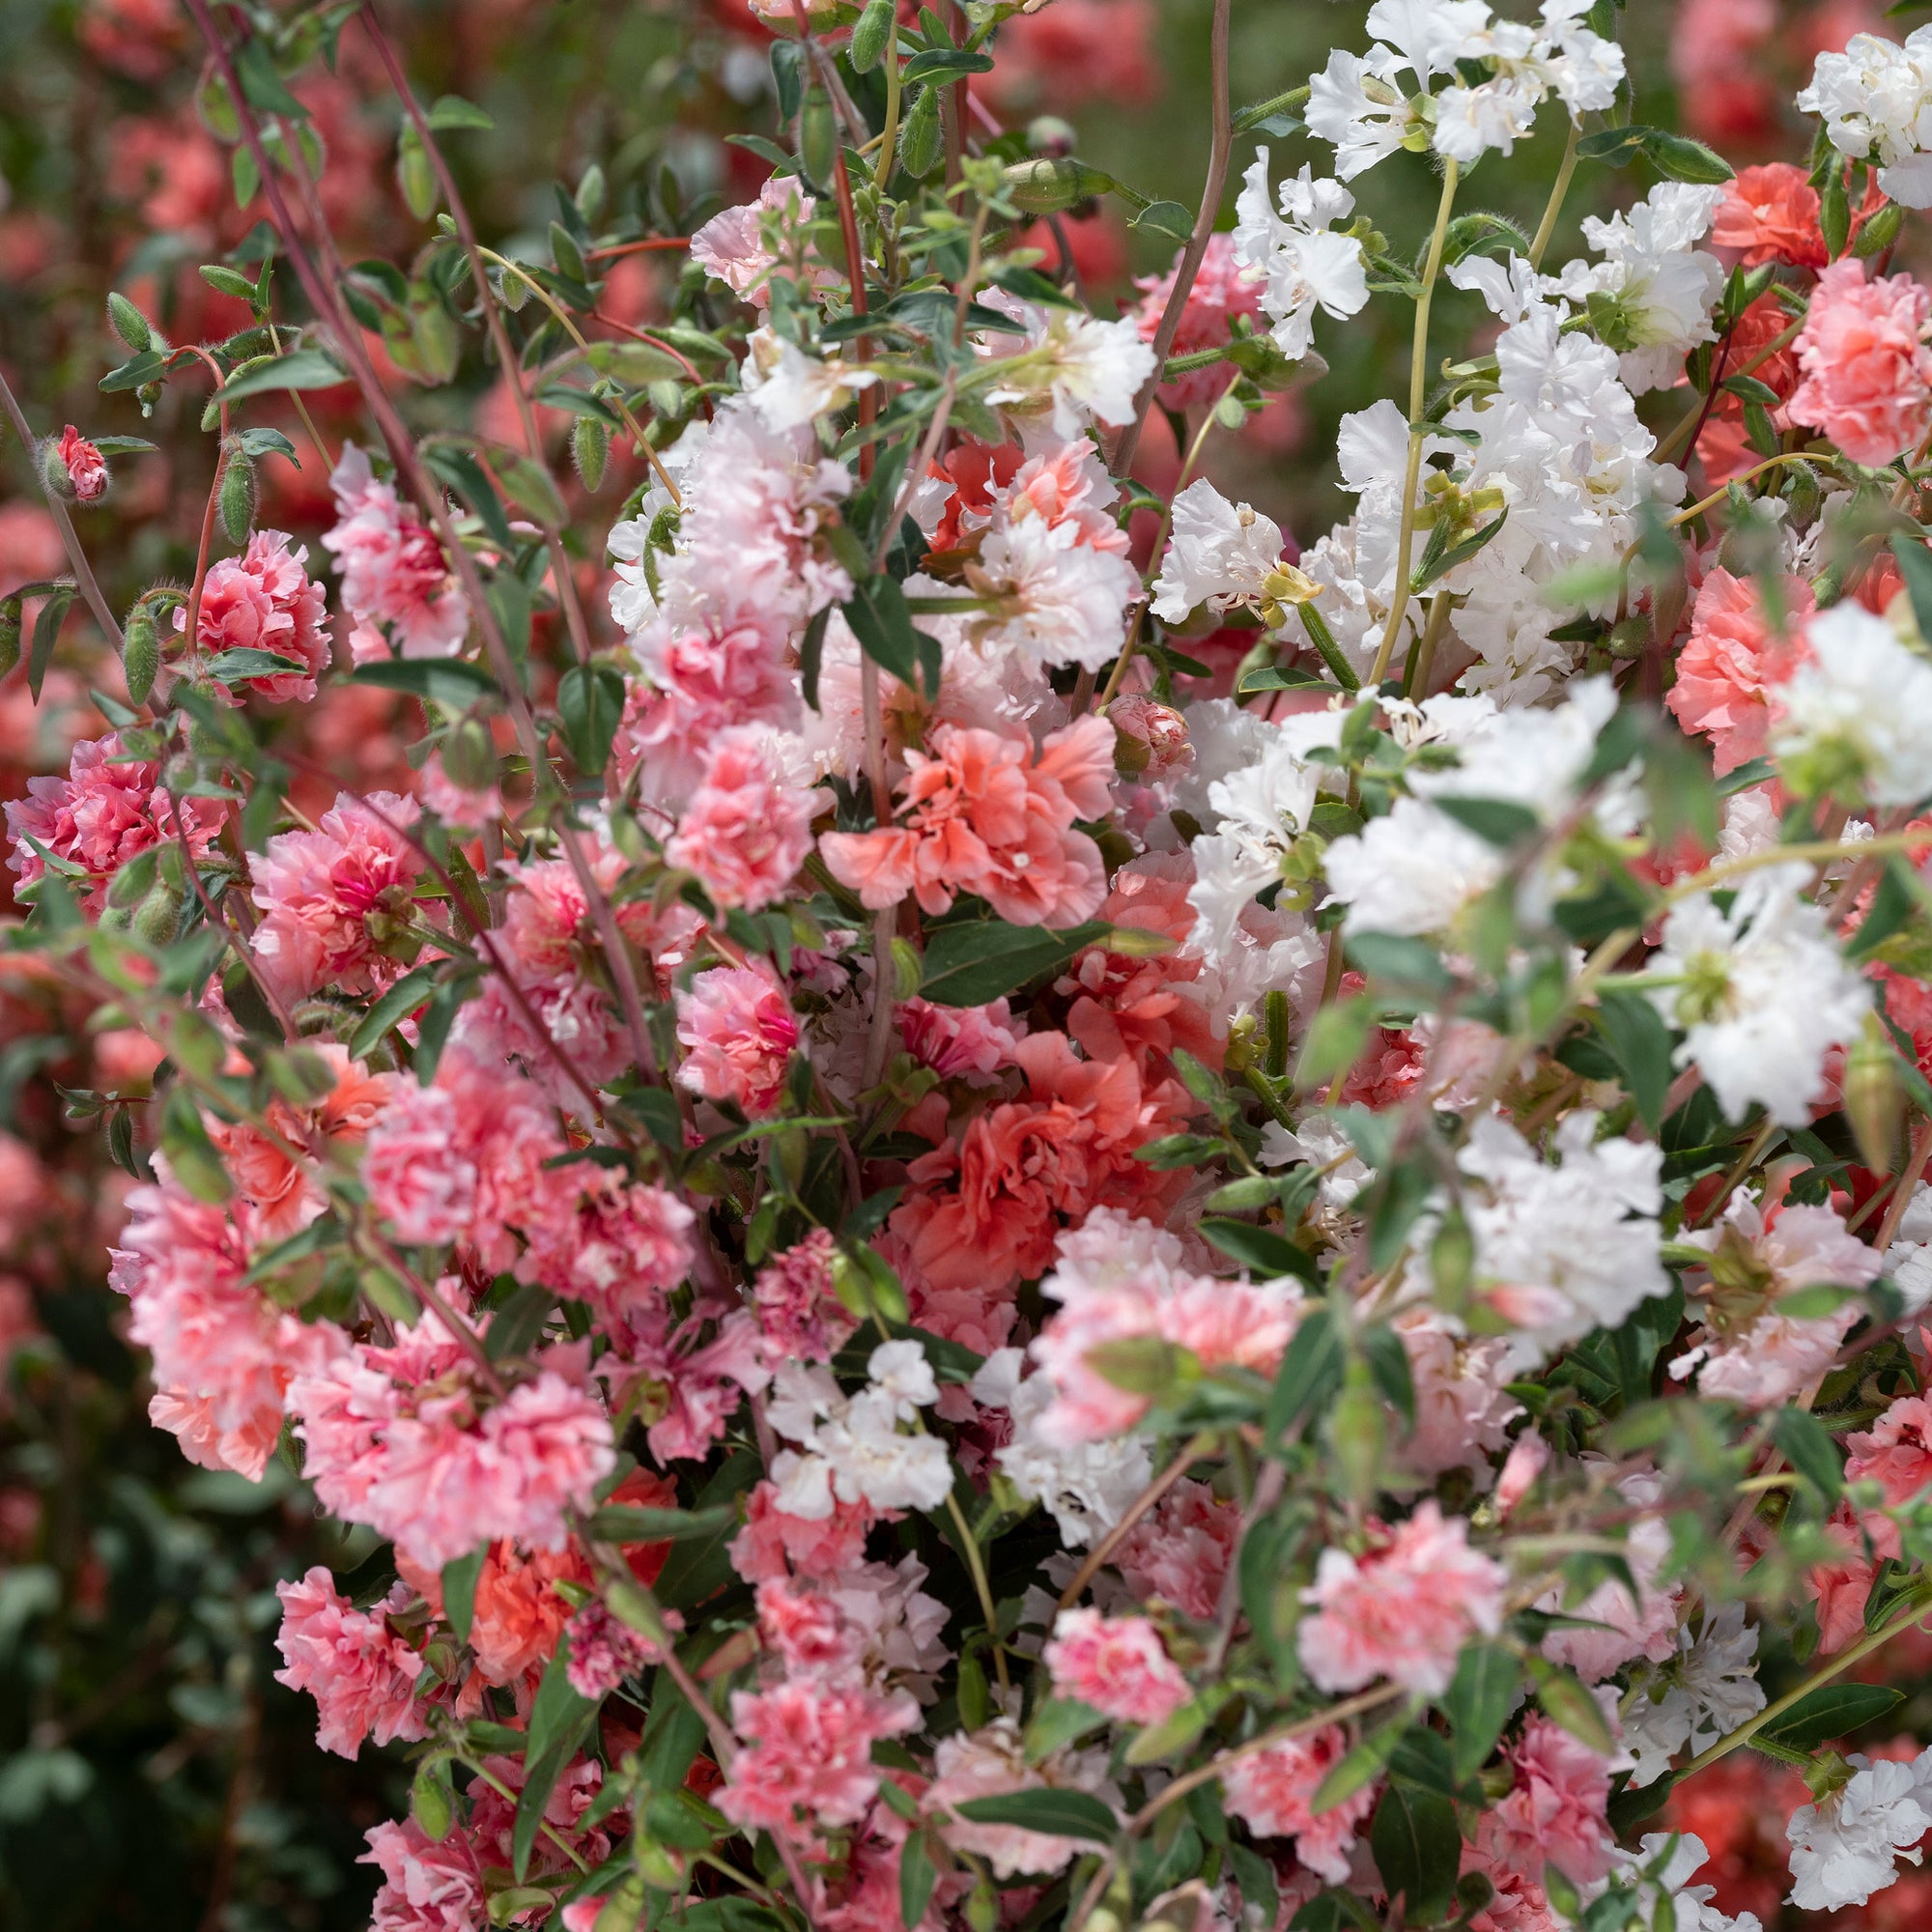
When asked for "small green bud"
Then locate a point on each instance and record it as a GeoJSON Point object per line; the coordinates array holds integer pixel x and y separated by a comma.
{"type": "Point", "coordinates": [432, 1802]}
{"type": "Point", "coordinates": [1051, 187]}
{"type": "Point", "coordinates": [1629, 638]}
{"type": "Point", "coordinates": [871, 35]}
{"type": "Point", "coordinates": [1874, 1096]}
{"type": "Point", "coordinates": [415, 175]}
{"type": "Point", "coordinates": [237, 495]}
{"type": "Point", "coordinates": [589, 449]}
{"type": "Point", "coordinates": [141, 659]}
{"type": "Point", "coordinates": [156, 918]}
{"type": "Point", "coordinates": [919, 138]}
{"type": "Point", "coordinates": [130, 323]}
{"type": "Point", "coordinates": [1356, 1434]}
{"type": "Point", "coordinates": [470, 756]}
{"type": "Point", "coordinates": [590, 192]}
{"type": "Point", "coordinates": [817, 136]}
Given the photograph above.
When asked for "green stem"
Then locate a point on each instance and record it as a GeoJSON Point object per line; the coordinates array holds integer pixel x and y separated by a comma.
{"type": "Point", "coordinates": [1548, 225]}
{"type": "Point", "coordinates": [969, 1549]}
{"type": "Point", "coordinates": [1418, 381]}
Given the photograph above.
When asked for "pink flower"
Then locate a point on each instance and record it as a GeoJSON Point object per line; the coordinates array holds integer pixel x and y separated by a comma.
{"type": "Point", "coordinates": [332, 898]}
{"type": "Point", "coordinates": [264, 599]}
{"type": "Point", "coordinates": [394, 574]}
{"type": "Point", "coordinates": [737, 245]}
{"type": "Point", "coordinates": [603, 1652]}
{"type": "Point", "coordinates": [797, 1308]}
{"type": "Point", "coordinates": [985, 813]}
{"type": "Point", "coordinates": [614, 1243]}
{"type": "Point", "coordinates": [1895, 1452]}
{"type": "Point", "coordinates": [739, 1032]}
{"type": "Point", "coordinates": [1527, 1458]}
{"type": "Point", "coordinates": [1404, 1609]}
{"type": "Point", "coordinates": [1732, 663]}
{"type": "Point", "coordinates": [108, 809]}
{"type": "Point", "coordinates": [81, 464]}
{"type": "Point", "coordinates": [1461, 1407]}
{"type": "Point", "coordinates": [427, 1886]}
{"type": "Point", "coordinates": [1867, 373]}
{"type": "Point", "coordinates": [1615, 1631]}
{"type": "Point", "coordinates": [1220, 293]}
{"type": "Point", "coordinates": [398, 1438]}
{"type": "Point", "coordinates": [1117, 1664]}
{"type": "Point", "coordinates": [807, 1763]}
{"type": "Point", "coordinates": [417, 1179]}
{"type": "Point", "coordinates": [1181, 1553]}
{"type": "Point", "coordinates": [745, 832]}
{"type": "Point", "coordinates": [960, 1042]}
{"type": "Point", "coordinates": [1769, 213]}
{"type": "Point", "coordinates": [1839, 1587]}
{"type": "Point", "coordinates": [775, 1544]}
{"type": "Point", "coordinates": [1553, 1813]}
{"type": "Point", "coordinates": [1270, 1792]}
{"type": "Point", "coordinates": [361, 1674]}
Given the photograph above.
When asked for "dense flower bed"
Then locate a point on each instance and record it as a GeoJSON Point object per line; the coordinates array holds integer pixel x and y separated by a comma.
{"type": "Point", "coordinates": [1024, 1208]}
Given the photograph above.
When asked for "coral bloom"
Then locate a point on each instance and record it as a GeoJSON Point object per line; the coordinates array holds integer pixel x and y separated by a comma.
{"type": "Point", "coordinates": [1867, 373]}
{"type": "Point", "coordinates": [745, 832]}
{"type": "Point", "coordinates": [1271, 1791]}
{"type": "Point", "coordinates": [985, 813]}
{"type": "Point", "coordinates": [740, 1030]}
{"type": "Point", "coordinates": [1114, 1664]}
{"type": "Point", "coordinates": [1769, 213]}
{"type": "Point", "coordinates": [264, 599]}
{"type": "Point", "coordinates": [361, 1674]}
{"type": "Point", "coordinates": [1732, 662]}
{"type": "Point", "coordinates": [83, 464]}
{"type": "Point", "coordinates": [1404, 1610]}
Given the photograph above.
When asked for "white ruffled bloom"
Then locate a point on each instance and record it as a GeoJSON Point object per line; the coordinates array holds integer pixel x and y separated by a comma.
{"type": "Point", "coordinates": [853, 1446]}
{"type": "Point", "coordinates": [1847, 1848]}
{"type": "Point", "coordinates": [1876, 102]}
{"type": "Point", "coordinates": [1220, 554]}
{"type": "Point", "coordinates": [1429, 35]}
{"type": "Point", "coordinates": [1086, 1487]}
{"type": "Point", "coordinates": [1300, 262]}
{"type": "Point", "coordinates": [1859, 707]}
{"type": "Point", "coordinates": [1068, 366]}
{"type": "Point", "coordinates": [1657, 1871]}
{"type": "Point", "coordinates": [789, 389]}
{"type": "Point", "coordinates": [1908, 1262]}
{"type": "Point", "coordinates": [1662, 286]}
{"type": "Point", "coordinates": [1706, 1691]}
{"type": "Point", "coordinates": [1763, 991]}
{"type": "Point", "coordinates": [1356, 106]}
{"type": "Point", "coordinates": [1567, 1246]}
{"type": "Point", "coordinates": [632, 604]}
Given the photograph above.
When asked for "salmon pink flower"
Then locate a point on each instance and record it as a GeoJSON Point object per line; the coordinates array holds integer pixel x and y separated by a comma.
{"type": "Point", "coordinates": [739, 1032]}
{"type": "Point", "coordinates": [1118, 1665]}
{"type": "Point", "coordinates": [1867, 369]}
{"type": "Point", "coordinates": [361, 1674]}
{"type": "Point", "coordinates": [1271, 1792]}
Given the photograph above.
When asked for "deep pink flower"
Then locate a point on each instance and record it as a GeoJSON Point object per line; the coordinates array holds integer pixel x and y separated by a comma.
{"type": "Point", "coordinates": [394, 574]}
{"type": "Point", "coordinates": [418, 1179]}
{"type": "Point", "coordinates": [360, 1673]}
{"type": "Point", "coordinates": [1270, 1791]}
{"type": "Point", "coordinates": [84, 466]}
{"type": "Point", "coordinates": [264, 599]}
{"type": "Point", "coordinates": [427, 1886]}
{"type": "Point", "coordinates": [617, 1244]}
{"type": "Point", "coordinates": [797, 1308]}
{"type": "Point", "coordinates": [1404, 1609]}
{"type": "Point", "coordinates": [1118, 1665]}
{"type": "Point", "coordinates": [745, 832]}
{"type": "Point", "coordinates": [739, 1032]}
{"type": "Point", "coordinates": [603, 1652]}
{"type": "Point", "coordinates": [807, 1763]}
{"type": "Point", "coordinates": [1220, 293]}
{"type": "Point", "coordinates": [1867, 369]}
{"type": "Point", "coordinates": [960, 1042]}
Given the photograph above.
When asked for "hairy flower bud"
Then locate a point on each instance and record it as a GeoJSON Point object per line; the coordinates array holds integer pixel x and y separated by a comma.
{"type": "Point", "coordinates": [73, 467]}
{"type": "Point", "coordinates": [589, 449]}
{"type": "Point", "coordinates": [918, 139]}
{"type": "Point", "coordinates": [415, 175]}
{"type": "Point", "coordinates": [870, 36]}
{"type": "Point", "coordinates": [1874, 1095]}
{"type": "Point", "coordinates": [1051, 187]}
{"type": "Point", "coordinates": [237, 495]}
{"type": "Point", "coordinates": [10, 635]}
{"type": "Point", "coordinates": [470, 756]}
{"type": "Point", "coordinates": [130, 323]}
{"type": "Point", "coordinates": [141, 654]}
{"type": "Point", "coordinates": [817, 136]}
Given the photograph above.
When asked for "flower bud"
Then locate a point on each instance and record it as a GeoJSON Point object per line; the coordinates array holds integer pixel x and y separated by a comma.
{"type": "Point", "coordinates": [414, 176]}
{"type": "Point", "coordinates": [73, 467]}
{"type": "Point", "coordinates": [1874, 1096]}
{"type": "Point", "coordinates": [589, 449]}
{"type": "Point", "coordinates": [470, 756]}
{"type": "Point", "coordinates": [432, 1802]}
{"type": "Point", "coordinates": [237, 495]}
{"type": "Point", "coordinates": [871, 35]}
{"type": "Point", "coordinates": [141, 655]}
{"type": "Point", "coordinates": [157, 918]}
{"type": "Point", "coordinates": [918, 139]}
{"type": "Point", "coordinates": [1051, 187]}
{"type": "Point", "coordinates": [817, 136]}
{"type": "Point", "coordinates": [130, 323]}
{"type": "Point", "coordinates": [1356, 1434]}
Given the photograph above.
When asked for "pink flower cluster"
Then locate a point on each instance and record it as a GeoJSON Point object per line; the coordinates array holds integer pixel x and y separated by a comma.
{"type": "Point", "coordinates": [805, 1766]}
{"type": "Point", "coordinates": [394, 575]}
{"type": "Point", "coordinates": [264, 599]}
{"type": "Point", "coordinates": [745, 832]}
{"type": "Point", "coordinates": [738, 1030]}
{"type": "Point", "coordinates": [1272, 1791]}
{"type": "Point", "coordinates": [361, 1674]}
{"type": "Point", "coordinates": [1867, 369]}
{"type": "Point", "coordinates": [1118, 1665]}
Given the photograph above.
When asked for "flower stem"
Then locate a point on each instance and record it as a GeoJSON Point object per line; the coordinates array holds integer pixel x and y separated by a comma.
{"type": "Point", "coordinates": [1548, 225]}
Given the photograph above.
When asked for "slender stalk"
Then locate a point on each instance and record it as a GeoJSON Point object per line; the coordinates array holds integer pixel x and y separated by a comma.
{"type": "Point", "coordinates": [1687, 424]}
{"type": "Point", "coordinates": [1546, 227]}
{"type": "Point", "coordinates": [1418, 393]}
{"type": "Point", "coordinates": [1096, 1557]}
{"type": "Point", "coordinates": [1196, 252]}
{"type": "Point", "coordinates": [969, 1551]}
{"type": "Point", "coordinates": [84, 571]}
{"type": "Point", "coordinates": [889, 138]}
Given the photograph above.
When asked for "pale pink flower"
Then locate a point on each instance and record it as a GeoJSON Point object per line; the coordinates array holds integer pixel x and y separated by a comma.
{"type": "Point", "coordinates": [617, 1244]}
{"type": "Point", "coordinates": [604, 1652]}
{"type": "Point", "coordinates": [745, 831]}
{"type": "Point", "coordinates": [1182, 1552]}
{"type": "Point", "coordinates": [418, 1177]}
{"type": "Point", "coordinates": [797, 1308]}
{"type": "Point", "coordinates": [1270, 1792]}
{"type": "Point", "coordinates": [394, 574]}
{"type": "Point", "coordinates": [1118, 1665]}
{"type": "Point", "coordinates": [739, 1031]}
{"type": "Point", "coordinates": [108, 809]}
{"type": "Point", "coordinates": [1527, 1458]}
{"type": "Point", "coordinates": [1615, 1631]}
{"type": "Point", "coordinates": [83, 466]}
{"type": "Point", "coordinates": [333, 897]}
{"type": "Point", "coordinates": [733, 246]}
{"type": "Point", "coordinates": [805, 1766]}
{"type": "Point", "coordinates": [1461, 1406]}
{"type": "Point", "coordinates": [986, 814]}
{"type": "Point", "coordinates": [960, 1042]}
{"type": "Point", "coordinates": [1402, 1610]}
{"type": "Point", "coordinates": [774, 1542]}
{"type": "Point", "coordinates": [361, 1674]}
{"type": "Point", "coordinates": [1553, 1813]}
{"type": "Point", "coordinates": [264, 599]}
{"type": "Point", "coordinates": [1895, 1452]}
{"type": "Point", "coordinates": [989, 1763]}
{"type": "Point", "coordinates": [399, 1438]}
{"type": "Point", "coordinates": [1868, 372]}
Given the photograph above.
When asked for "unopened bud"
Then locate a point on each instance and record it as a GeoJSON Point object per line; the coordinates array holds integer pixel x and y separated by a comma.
{"type": "Point", "coordinates": [237, 495]}
{"type": "Point", "coordinates": [870, 36]}
{"type": "Point", "coordinates": [1629, 638]}
{"type": "Point", "coordinates": [157, 918]}
{"type": "Point", "coordinates": [414, 176]}
{"type": "Point", "coordinates": [432, 1802]}
{"type": "Point", "coordinates": [1049, 135]}
{"type": "Point", "coordinates": [1874, 1096]}
{"type": "Point", "coordinates": [817, 136]}
{"type": "Point", "coordinates": [470, 756]}
{"type": "Point", "coordinates": [1052, 187]}
{"type": "Point", "coordinates": [1356, 1434]}
{"type": "Point", "coordinates": [73, 467]}
{"type": "Point", "coordinates": [918, 139]}
{"type": "Point", "coordinates": [130, 323]}
{"type": "Point", "coordinates": [141, 657]}
{"type": "Point", "coordinates": [590, 449]}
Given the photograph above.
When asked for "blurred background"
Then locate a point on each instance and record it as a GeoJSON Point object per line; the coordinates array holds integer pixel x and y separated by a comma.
{"type": "Point", "coordinates": [151, 1772]}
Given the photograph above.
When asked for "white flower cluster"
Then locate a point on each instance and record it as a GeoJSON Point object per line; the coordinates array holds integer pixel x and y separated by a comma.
{"type": "Point", "coordinates": [855, 1448]}
{"type": "Point", "coordinates": [1848, 1847]}
{"type": "Point", "coordinates": [1876, 102]}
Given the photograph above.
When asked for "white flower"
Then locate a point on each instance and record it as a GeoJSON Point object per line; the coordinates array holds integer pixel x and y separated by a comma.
{"type": "Point", "coordinates": [901, 1372]}
{"type": "Point", "coordinates": [1908, 1262]}
{"type": "Point", "coordinates": [1563, 1247]}
{"type": "Point", "coordinates": [789, 389]}
{"type": "Point", "coordinates": [1355, 105]}
{"type": "Point", "coordinates": [632, 604]}
{"type": "Point", "coordinates": [1070, 366]}
{"type": "Point", "coordinates": [1086, 1488]}
{"type": "Point", "coordinates": [1299, 262]}
{"type": "Point", "coordinates": [853, 1446]}
{"type": "Point", "coordinates": [1471, 121]}
{"type": "Point", "coordinates": [1410, 871]}
{"type": "Point", "coordinates": [1061, 600]}
{"type": "Point", "coordinates": [1220, 554]}
{"type": "Point", "coordinates": [1859, 707]}
{"type": "Point", "coordinates": [1430, 34]}
{"type": "Point", "coordinates": [1655, 1877]}
{"type": "Point", "coordinates": [1847, 1848]}
{"type": "Point", "coordinates": [1876, 100]}
{"type": "Point", "coordinates": [1703, 1693]}
{"type": "Point", "coordinates": [1762, 989]}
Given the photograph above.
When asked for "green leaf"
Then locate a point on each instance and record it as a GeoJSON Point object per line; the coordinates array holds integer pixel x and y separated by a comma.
{"type": "Point", "coordinates": [1642, 1042]}
{"type": "Point", "coordinates": [881, 622]}
{"type": "Point", "coordinates": [124, 445]}
{"type": "Point", "coordinates": [397, 1003]}
{"type": "Point", "coordinates": [1400, 961]}
{"type": "Point", "coordinates": [1417, 1849]}
{"type": "Point", "coordinates": [1915, 566]}
{"type": "Point", "coordinates": [917, 1878]}
{"type": "Point", "coordinates": [451, 110]}
{"type": "Point", "coordinates": [1808, 1448]}
{"type": "Point", "coordinates": [589, 708]}
{"type": "Point", "coordinates": [1061, 1814]}
{"type": "Point", "coordinates": [452, 682]}
{"type": "Point", "coordinates": [263, 86]}
{"type": "Point", "coordinates": [1891, 906]}
{"type": "Point", "coordinates": [47, 631]}
{"type": "Point", "coordinates": [260, 443]}
{"type": "Point", "coordinates": [300, 369]}
{"type": "Point", "coordinates": [1674, 156]}
{"type": "Point", "coordinates": [1497, 821]}
{"type": "Point", "coordinates": [459, 1591]}
{"type": "Point", "coordinates": [460, 469]}
{"type": "Point", "coordinates": [1832, 1710]}
{"type": "Point", "coordinates": [1564, 1701]}
{"type": "Point", "coordinates": [247, 660]}
{"type": "Point", "coordinates": [943, 64]}
{"type": "Point", "coordinates": [559, 1720]}
{"type": "Point", "coordinates": [1478, 1704]}
{"type": "Point", "coordinates": [1165, 217]}
{"type": "Point", "coordinates": [1056, 1723]}
{"type": "Point", "coordinates": [1265, 1250]}
{"type": "Point", "coordinates": [1388, 1367]}
{"type": "Point", "coordinates": [1310, 1372]}
{"type": "Point", "coordinates": [136, 373]}
{"type": "Point", "coordinates": [1631, 1806]}
{"type": "Point", "coordinates": [970, 962]}
{"type": "Point", "coordinates": [1360, 1766]}
{"type": "Point", "coordinates": [623, 1523]}
{"type": "Point", "coordinates": [1439, 562]}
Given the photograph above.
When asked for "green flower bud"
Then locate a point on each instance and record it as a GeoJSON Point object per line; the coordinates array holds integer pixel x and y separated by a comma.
{"type": "Point", "coordinates": [871, 35]}
{"type": "Point", "coordinates": [589, 449]}
{"type": "Point", "coordinates": [141, 657]}
{"type": "Point", "coordinates": [817, 136]}
{"type": "Point", "coordinates": [1048, 187]}
{"type": "Point", "coordinates": [919, 138]}
{"type": "Point", "coordinates": [156, 918]}
{"type": "Point", "coordinates": [432, 1802]}
{"type": "Point", "coordinates": [470, 756]}
{"type": "Point", "coordinates": [130, 323]}
{"type": "Point", "coordinates": [237, 495]}
{"type": "Point", "coordinates": [414, 176]}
